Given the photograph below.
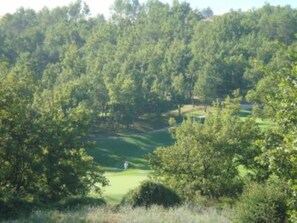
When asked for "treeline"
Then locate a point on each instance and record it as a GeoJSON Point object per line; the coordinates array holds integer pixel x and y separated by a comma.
{"type": "Point", "coordinates": [229, 159]}
{"type": "Point", "coordinates": [62, 71]}
{"type": "Point", "coordinates": [146, 57]}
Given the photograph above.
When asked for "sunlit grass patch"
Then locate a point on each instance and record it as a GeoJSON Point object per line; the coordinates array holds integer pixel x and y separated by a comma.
{"type": "Point", "coordinates": [121, 183]}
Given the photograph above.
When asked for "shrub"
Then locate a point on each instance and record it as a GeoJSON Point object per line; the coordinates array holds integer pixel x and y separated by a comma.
{"type": "Point", "coordinates": [151, 193]}
{"type": "Point", "coordinates": [77, 202]}
{"type": "Point", "coordinates": [261, 203]}
{"type": "Point", "coordinates": [15, 207]}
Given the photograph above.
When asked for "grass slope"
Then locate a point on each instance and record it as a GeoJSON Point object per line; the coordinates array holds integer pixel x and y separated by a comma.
{"type": "Point", "coordinates": [111, 152]}
{"type": "Point", "coordinates": [121, 183]}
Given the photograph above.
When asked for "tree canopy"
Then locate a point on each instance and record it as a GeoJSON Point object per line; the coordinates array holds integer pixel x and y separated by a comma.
{"type": "Point", "coordinates": [63, 72]}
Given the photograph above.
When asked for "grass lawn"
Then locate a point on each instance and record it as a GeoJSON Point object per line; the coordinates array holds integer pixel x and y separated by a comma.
{"type": "Point", "coordinates": [111, 152]}
{"type": "Point", "coordinates": [121, 182]}
{"type": "Point", "coordinates": [243, 114]}
{"type": "Point", "coordinates": [263, 123]}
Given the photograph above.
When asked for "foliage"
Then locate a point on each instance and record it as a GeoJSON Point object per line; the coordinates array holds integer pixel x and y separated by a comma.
{"type": "Point", "coordinates": [15, 208]}
{"type": "Point", "coordinates": [19, 144]}
{"type": "Point", "coordinates": [42, 147]}
{"type": "Point", "coordinates": [279, 146]}
{"type": "Point", "coordinates": [62, 72]}
{"type": "Point", "coordinates": [148, 56]}
{"type": "Point", "coordinates": [262, 203]}
{"type": "Point", "coordinates": [76, 203]}
{"type": "Point", "coordinates": [205, 158]}
{"type": "Point", "coordinates": [151, 193]}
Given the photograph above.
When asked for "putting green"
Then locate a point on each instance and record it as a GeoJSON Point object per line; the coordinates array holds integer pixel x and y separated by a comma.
{"type": "Point", "coordinates": [121, 182]}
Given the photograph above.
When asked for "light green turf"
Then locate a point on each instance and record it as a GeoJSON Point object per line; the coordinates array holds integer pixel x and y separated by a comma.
{"type": "Point", "coordinates": [111, 152]}
{"type": "Point", "coordinates": [121, 182]}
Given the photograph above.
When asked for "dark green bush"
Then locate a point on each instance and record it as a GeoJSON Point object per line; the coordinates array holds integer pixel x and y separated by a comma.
{"type": "Point", "coordinates": [261, 203]}
{"type": "Point", "coordinates": [151, 193]}
{"type": "Point", "coordinates": [78, 202]}
{"type": "Point", "coordinates": [14, 208]}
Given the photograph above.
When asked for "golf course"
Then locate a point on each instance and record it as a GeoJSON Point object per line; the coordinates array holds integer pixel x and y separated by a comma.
{"type": "Point", "coordinates": [160, 111]}
{"type": "Point", "coordinates": [112, 152]}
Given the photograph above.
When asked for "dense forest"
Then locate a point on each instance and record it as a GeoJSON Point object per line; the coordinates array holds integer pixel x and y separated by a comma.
{"type": "Point", "coordinates": [63, 72]}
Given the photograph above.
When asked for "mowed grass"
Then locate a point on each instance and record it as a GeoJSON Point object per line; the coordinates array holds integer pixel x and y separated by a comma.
{"type": "Point", "coordinates": [243, 114]}
{"type": "Point", "coordinates": [111, 152]}
{"type": "Point", "coordinates": [121, 183]}
{"type": "Point", "coordinates": [262, 123]}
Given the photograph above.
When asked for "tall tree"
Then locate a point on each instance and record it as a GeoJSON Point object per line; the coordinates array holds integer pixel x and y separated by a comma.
{"type": "Point", "coordinates": [205, 157]}
{"type": "Point", "coordinates": [281, 155]}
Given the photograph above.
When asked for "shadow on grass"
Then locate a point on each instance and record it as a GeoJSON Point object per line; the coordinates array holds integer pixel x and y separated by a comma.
{"type": "Point", "coordinates": [111, 153]}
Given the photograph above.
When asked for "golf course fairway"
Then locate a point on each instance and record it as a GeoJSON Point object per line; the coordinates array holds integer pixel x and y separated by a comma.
{"type": "Point", "coordinates": [121, 182]}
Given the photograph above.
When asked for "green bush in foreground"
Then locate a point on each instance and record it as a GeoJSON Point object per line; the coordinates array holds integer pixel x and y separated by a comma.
{"type": "Point", "coordinates": [261, 203]}
{"type": "Point", "coordinates": [75, 203]}
{"type": "Point", "coordinates": [15, 207]}
{"type": "Point", "coordinates": [151, 193]}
